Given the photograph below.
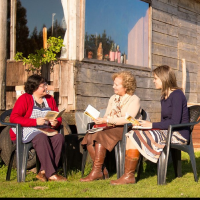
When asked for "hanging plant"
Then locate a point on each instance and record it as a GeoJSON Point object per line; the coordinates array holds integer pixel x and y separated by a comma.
{"type": "Point", "coordinates": [42, 56]}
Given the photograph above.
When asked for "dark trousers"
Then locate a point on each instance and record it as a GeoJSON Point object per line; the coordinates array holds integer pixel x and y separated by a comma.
{"type": "Point", "coordinates": [48, 150]}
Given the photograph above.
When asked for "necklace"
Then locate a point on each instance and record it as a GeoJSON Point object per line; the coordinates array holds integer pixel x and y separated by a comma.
{"type": "Point", "coordinates": [38, 100]}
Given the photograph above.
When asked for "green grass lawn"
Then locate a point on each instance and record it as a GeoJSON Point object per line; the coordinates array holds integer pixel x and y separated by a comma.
{"type": "Point", "coordinates": [145, 187]}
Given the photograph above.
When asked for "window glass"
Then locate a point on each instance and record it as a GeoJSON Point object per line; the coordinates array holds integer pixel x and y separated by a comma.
{"type": "Point", "coordinates": [117, 31]}
{"type": "Point", "coordinates": [31, 17]}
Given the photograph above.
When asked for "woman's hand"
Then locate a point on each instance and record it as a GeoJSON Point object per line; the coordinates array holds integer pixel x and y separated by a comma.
{"type": "Point", "coordinates": [40, 121]}
{"type": "Point", "coordinates": [53, 122]}
{"type": "Point", "coordinates": [100, 120]}
{"type": "Point", "coordinates": [145, 123]}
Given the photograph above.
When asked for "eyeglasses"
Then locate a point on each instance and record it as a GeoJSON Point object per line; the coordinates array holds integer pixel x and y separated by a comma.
{"type": "Point", "coordinates": [44, 85]}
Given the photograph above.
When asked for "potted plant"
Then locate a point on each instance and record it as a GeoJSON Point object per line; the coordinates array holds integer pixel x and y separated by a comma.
{"type": "Point", "coordinates": [42, 56]}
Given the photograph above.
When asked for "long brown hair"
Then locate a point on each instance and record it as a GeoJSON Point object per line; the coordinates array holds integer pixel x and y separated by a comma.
{"type": "Point", "coordinates": [168, 79]}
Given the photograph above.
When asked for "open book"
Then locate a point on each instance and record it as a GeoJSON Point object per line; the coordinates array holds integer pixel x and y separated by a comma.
{"type": "Point", "coordinates": [134, 121]}
{"type": "Point", "coordinates": [92, 112]}
{"type": "Point", "coordinates": [54, 114]}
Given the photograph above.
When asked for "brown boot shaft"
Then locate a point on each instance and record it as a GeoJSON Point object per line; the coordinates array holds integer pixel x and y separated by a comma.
{"type": "Point", "coordinates": [132, 153]}
{"type": "Point", "coordinates": [91, 151]}
{"type": "Point", "coordinates": [96, 173]}
{"type": "Point", "coordinates": [130, 166]}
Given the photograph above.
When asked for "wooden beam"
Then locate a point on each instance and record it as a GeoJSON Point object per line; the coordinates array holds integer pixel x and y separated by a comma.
{"type": "Point", "coordinates": [183, 75]}
{"type": "Point", "coordinates": [13, 12]}
{"type": "Point", "coordinates": [3, 39]}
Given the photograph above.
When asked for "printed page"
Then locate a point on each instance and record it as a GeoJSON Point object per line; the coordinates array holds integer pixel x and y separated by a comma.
{"type": "Point", "coordinates": [54, 114]}
{"type": "Point", "coordinates": [132, 120]}
{"type": "Point", "coordinates": [92, 112]}
{"type": "Point", "coordinates": [61, 112]}
{"type": "Point", "coordinates": [51, 115]}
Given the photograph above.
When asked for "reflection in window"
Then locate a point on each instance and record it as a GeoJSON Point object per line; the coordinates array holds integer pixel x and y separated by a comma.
{"type": "Point", "coordinates": [117, 31]}
{"type": "Point", "coordinates": [31, 17]}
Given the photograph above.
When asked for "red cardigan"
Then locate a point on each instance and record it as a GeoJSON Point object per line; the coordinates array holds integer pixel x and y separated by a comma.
{"type": "Point", "coordinates": [22, 111]}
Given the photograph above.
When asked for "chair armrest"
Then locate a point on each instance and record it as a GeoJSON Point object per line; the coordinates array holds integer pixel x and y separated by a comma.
{"type": "Point", "coordinates": [184, 125]}
{"type": "Point", "coordinates": [126, 128]}
{"type": "Point", "coordinates": [171, 127]}
{"type": "Point", "coordinates": [90, 125]}
{"type": "Point", "coordinates": [3, 117]}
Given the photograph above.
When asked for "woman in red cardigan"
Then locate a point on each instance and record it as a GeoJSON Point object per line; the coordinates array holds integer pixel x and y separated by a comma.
{"type": "Point", "coordinates": [29, 111]}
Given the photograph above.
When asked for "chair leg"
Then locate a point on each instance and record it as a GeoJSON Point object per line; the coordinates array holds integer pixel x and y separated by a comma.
{"type": "Point", "coordinates": [64, 161]}
{"type": "Point", "coordinates": [19, 151]}
{"type": "Point", "coordinates": [64, 151]}
{"type": "Point", "coordinates": [10, 163]}
{"type": "Point", "coordinates": [84, 158]}
{"type": "Point", "coordinates": [162, 168]}
{"type": "Point", "coordinates": [176, 158]}
{"type": "Point", "coordinates": [193, 162]}
{"type": "Point", "coordinates": [24, 162]}
{"type": "Point", "coordinates": [139, 167]}
{"type": "Point", "coordinates": [122, 155]}
{"type": "Point", "coordinates": [117, 159]}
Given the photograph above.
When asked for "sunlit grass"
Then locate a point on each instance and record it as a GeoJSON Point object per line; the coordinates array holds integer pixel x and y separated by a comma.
{"type": "Point", "coordinates": [146, 186]}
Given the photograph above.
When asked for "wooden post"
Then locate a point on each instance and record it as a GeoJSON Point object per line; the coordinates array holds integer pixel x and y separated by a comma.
{"type": "Point", "coordinates": [13, 10]}
{"type": "Point", "coordinates": [183, 75]}
{"type": "Point", "coordinates": [3, 59]}
{"type": "Point", "coordinates": [45, 37]}
{"type": "Point", "coordinates": [44, 70]}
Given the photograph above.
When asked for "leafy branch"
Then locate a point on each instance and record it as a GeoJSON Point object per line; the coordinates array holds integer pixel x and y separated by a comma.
{"type": "Point", "coordinates": [42, 56]}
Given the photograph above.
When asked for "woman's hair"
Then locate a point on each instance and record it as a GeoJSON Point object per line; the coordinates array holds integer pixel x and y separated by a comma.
{"type": "Point", "coordinates": [33, 83]}
{"type": "Point", "coordinates": [168, 79]}
{"type": "Point", "coordinates": [128, 81]}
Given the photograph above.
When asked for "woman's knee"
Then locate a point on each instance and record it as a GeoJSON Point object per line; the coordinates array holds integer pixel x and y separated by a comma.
{"type": "Point", "coordinates": [59, 138]}
{"type": "Point", "coordinates": [40, 139]}
{"type": "Point", "coordinates": [89, 139]}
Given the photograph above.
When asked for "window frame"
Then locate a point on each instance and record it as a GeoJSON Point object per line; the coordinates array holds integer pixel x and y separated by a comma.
{"type": "Point", "coordinates": [120, 64]}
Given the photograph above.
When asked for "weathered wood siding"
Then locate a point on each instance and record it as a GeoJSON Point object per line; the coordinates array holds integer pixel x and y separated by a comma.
{"type": "Point", "coordinates": [175, 35]}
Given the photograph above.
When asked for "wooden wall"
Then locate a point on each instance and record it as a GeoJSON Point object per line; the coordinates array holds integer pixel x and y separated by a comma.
{"type": "Point", "coordinates": [175, 36]}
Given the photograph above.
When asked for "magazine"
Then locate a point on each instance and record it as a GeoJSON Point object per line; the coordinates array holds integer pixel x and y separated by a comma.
{"type": "Point", "coordinates": [134, 121]}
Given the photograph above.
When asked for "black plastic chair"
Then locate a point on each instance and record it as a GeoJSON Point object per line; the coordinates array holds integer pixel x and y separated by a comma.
{"type": "Point", "coordinates": [85, 151]}
{"type": "Point", "coordinates": [120, 148]}
{"type": "Point", "coordinates": [176, 149]}
{"type": "Point", "coordinates": [22, 150]}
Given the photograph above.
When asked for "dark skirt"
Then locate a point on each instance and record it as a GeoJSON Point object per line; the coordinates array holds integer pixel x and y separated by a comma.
{"type": "Point", "coordinates": [108, 138]}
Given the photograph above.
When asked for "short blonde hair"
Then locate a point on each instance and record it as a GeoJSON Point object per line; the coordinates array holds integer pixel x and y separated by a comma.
{"type": "Point", "coordinates": [128, 81]}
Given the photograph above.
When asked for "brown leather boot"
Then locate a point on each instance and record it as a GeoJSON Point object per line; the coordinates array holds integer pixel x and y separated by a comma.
{"type": "Point", "coordinates": [96, 173]}
{"type": "Point", "coordinates": [91, 151]}
{"type": "Point", "coordinates": [130, 166]}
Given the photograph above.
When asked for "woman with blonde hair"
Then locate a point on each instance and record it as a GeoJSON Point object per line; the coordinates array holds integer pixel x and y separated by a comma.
{"type": "Point", "coordinates": [150, 143]}
{"type": "Point", "coordinates": [124, 100]}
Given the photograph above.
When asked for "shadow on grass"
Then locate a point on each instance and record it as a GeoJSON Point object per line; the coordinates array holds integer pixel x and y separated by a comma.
{"type": "Point", "coordinates": [150, 169]}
